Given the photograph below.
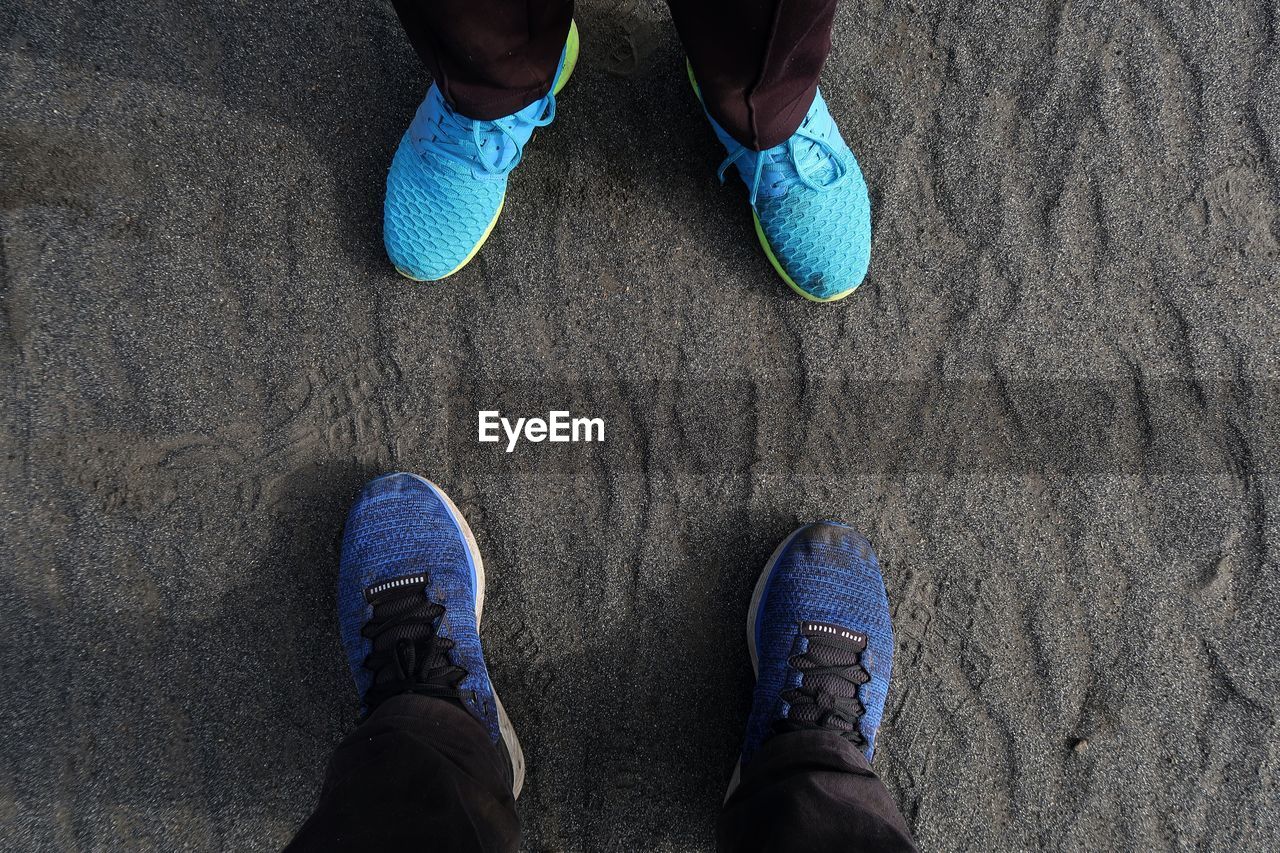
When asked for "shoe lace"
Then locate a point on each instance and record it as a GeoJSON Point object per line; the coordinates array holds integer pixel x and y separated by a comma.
{"type": "Point", "coordinates": [806, 158]}
{"type": "Point", "coordinates": [827, 697]}
{"type": "Point", "coordinates": [496, 145]}
{"type": "Point", "coordinates": [409, 656]}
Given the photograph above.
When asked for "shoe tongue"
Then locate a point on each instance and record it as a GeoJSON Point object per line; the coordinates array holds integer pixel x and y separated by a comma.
{"type": "Point", "coordinates": [438, 124]}
{"type": "Point", "coordinates": [781, 171]}
{"type": "Point", "coordinates": [397, 602]}
{"type": "Point", "coordinates": [830, 646]}
{"type": "Point", "coordinates": [498, 147]}
{"type": "Point", "coordinates": [815, 162]}
{"type": "Point", "coordinates": [398, 607]}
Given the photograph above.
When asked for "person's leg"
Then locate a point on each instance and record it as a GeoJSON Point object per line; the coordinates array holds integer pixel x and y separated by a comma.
{"type": "Point", "coordinates": [756, 61]}
{"type": "Point", "coordinates": [490, 58]}
{"type": "Point", "coordinates": [814, 792]}
{"type": "Point", "coordinates": [821, 645]}
{"type": "Point", "coordinates": [755, 67]}
{"type": "Point", "coordinates": [418, 770]}
{"type": "Point", "coordinates": [436, 763]}
{"type": "Point", "coordinates": [498, 65]}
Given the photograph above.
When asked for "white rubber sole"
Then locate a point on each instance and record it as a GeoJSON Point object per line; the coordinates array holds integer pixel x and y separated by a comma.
{"type": "Point", "coordinates": [505, 730]}
{"type": "Point", "coordinates": [757, 596]}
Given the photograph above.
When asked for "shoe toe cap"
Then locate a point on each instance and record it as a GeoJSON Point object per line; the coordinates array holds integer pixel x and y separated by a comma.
{"type": "Point", "coordinates": [831, 549]}
{"type": "Point", "coordinates": [821, 240]}
{"type": "Point", "coordinates": [435, 214]}
{"type": "Point", "coordinates": [397, 520]}
{"type": "Point", "coordinates": [829, 572]}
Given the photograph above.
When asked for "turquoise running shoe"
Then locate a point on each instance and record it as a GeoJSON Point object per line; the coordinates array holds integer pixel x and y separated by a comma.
{"type": "Point", "coordinates": [448, 178]}
{"type": "Point", "coordinates": [809, 202]}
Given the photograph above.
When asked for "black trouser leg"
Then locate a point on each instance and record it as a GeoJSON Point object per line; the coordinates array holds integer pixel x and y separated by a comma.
{"type": "Point", "coordinates": [811, 792]}
{"type": "Point", "coordinates": [419, 774]}
{"type": "Point", "coordinates": [757, 61]}
{"type": "Point", "coordinates": [490, 58]}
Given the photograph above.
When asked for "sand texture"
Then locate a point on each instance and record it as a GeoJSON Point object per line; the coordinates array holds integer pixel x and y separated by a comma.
{"type": "Point", "coordinates": [1053, 408]}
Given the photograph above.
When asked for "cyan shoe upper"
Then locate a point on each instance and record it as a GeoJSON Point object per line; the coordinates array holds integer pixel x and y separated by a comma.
{"type": "Point", "coordinates": [407, 599]}
{"type": "Point", "coordinates": [447, 182]}
{"type": "Point", "coordinates": [448, 178]}
{"type": "Point", "coordinates": [811, 205]}
{"type": "Point", "coordinates": [822, 641]}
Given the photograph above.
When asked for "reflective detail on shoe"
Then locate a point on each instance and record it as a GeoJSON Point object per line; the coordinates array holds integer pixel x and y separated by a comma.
{"type": "Point", "coordinates": [372, 594]}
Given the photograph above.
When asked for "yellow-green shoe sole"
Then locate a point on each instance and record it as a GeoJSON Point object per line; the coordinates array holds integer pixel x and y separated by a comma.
{"type": "Point", "coordinates": [570, 62]}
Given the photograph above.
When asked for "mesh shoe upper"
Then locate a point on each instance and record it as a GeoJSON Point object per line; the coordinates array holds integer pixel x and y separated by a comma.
{"type": "Point", "coordinates": [822, 638]}
{"type": "Point", "coordinates": [402, 534]}
{"type": "Point", "coordinates": [811, 202]}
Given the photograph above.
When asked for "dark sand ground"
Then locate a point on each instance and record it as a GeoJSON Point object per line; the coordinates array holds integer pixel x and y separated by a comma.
{"type": "Point", "coordinates": [1052, 407]}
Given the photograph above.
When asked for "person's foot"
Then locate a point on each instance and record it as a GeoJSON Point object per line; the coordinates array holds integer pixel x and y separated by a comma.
{"type": "Point", "coordinates": [809, 202]}
{"type": "Point", "coordinates": [448, 178]}
{"type": "Point", "coordinates": [820, 640]}
{"type": "Point", "coordinates": [410, 592]}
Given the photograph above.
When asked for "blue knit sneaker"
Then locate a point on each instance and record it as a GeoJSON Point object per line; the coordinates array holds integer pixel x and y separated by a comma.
{"type": "Point", "coordinates": [820, 640]}
{"type": "Point", "coordinates": [448, 178]}
{"type": "Point", "coordinates": [410, 592]}
{"type": "Point", "coordinates": [809, 202]}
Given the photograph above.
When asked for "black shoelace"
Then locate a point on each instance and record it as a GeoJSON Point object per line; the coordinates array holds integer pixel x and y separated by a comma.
{"type": "Point", "coordinates": [408, 655]}
{"type": "Point", "coordinates": [827, 697]}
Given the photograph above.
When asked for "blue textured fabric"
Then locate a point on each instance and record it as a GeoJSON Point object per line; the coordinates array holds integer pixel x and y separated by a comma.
{"type": "Point", "coordinates": [399, 527]}
{"type": "Point", "coordinates": [811, 200]}
{"type": "Point", "coordinates": [448, 180]}
{"type": "Point", "coordinates": [826, 573]}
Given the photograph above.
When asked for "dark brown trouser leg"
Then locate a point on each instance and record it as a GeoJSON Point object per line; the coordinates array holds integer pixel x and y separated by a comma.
{"type": "Point", "coordinates": [757, 61]}
{"type": "Point", "coordinates": [419, 774]}
{"type": "Point", "coordinates": [811, 792]}
{"type": "Point", "coordinates": [490, 58]}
